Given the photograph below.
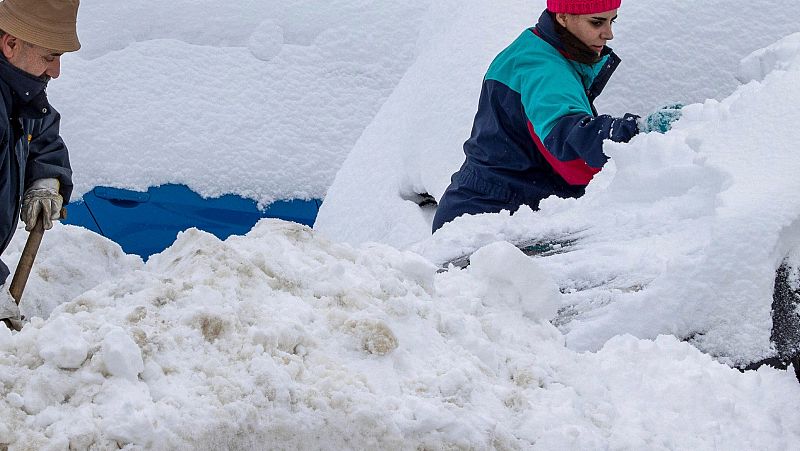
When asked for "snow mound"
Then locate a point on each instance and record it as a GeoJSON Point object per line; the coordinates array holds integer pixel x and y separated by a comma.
{"type": "Point", "coordinates": [516, 280]}
{"type": "Point", "coordinates": [266, 42]}
{"type": "Point", "coordinates": [283, 337]}
{"type": "Point", "coordinates": [70, 261]}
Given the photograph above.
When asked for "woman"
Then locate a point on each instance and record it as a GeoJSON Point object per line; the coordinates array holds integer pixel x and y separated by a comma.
{"type": "Point", "coordinates": [536, 132]}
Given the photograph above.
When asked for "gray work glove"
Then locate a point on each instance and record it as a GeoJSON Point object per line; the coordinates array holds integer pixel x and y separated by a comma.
{"type": "Point", "coordinates": [41, 198]}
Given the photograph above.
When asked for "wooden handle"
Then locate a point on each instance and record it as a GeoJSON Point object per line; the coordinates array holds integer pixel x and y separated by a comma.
{"type": "Point", "coordinates": [26, 261]}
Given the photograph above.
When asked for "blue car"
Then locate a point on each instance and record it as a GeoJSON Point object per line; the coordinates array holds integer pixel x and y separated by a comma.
{"type": "Point", "coordinates": [145, 223]}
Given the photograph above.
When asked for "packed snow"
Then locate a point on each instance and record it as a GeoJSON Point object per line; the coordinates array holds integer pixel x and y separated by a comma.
{"type": "Point", "coordinates": [352, 335]}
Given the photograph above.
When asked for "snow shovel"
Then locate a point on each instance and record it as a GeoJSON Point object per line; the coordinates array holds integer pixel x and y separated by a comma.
{"type": "Point", "coordinates": [25, 264]}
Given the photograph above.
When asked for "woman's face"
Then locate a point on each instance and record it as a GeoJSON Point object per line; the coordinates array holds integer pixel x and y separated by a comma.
{"type": "Point", "coordinates": [594, 30]}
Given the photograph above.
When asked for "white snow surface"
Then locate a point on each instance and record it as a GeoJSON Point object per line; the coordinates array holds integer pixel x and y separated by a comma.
{"type": "Point", "coordinates": [259, 98]}
{"type": "Point", "coordinates": [282, 339]}
{"type": "Point", "coordinates": [292, 338]}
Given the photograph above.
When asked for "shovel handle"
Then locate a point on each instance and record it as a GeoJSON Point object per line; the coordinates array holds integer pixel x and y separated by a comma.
{"type": "Point", "coordinates": [26, 264]}
{"type": "Point", "coordinates": [26, 261]}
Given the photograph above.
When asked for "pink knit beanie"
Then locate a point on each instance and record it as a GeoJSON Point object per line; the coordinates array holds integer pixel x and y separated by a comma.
{"type": "Point", "coordinates": [582, 6]}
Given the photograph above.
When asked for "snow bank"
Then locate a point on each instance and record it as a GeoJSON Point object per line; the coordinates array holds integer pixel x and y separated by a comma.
{"type": "Point", "coordinates": [283, 337]}
{"type": "Point", "coordinates": [62, 271]}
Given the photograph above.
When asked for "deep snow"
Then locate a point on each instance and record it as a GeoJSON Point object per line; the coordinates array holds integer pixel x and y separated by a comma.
{"type": "Point", "coordinates": [290, 338]}
{"type": "Point", "coordinates": [283, 339]}
{"type": "Point", "coordinates": [258, 98]}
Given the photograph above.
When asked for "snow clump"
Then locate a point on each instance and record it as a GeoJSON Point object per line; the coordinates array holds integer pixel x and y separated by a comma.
{"type": "Point", "coordinates": [266, 41]}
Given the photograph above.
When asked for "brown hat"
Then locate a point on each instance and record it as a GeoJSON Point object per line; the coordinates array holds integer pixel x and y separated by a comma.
{"type": "Point", "coordinates": [47, 23]}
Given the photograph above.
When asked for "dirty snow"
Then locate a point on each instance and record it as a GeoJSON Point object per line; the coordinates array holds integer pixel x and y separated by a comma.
{"type": "Point", "coordinates": [284, 339]}
{"type": "Point", "coordinates": [292, 338]}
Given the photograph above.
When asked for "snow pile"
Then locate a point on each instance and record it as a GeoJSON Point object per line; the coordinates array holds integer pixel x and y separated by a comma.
{"type": "Point", "coordinates": [62, 271]}
{"type": "Point", "coordinates": [262, 99]}
{"type": "Point", "coordinates": [283, 337]}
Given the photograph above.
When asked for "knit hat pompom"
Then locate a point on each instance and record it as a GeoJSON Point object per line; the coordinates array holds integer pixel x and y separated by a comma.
{"type": "Point", "coordinates": [582, 6]}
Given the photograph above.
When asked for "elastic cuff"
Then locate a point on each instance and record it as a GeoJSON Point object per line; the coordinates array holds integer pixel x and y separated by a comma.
{"type": "Point", "coordinates": [51, 184]}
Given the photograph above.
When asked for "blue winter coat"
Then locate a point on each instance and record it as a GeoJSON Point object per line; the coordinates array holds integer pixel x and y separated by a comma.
{"type": "Point", "coordinates": [31, 147]}
{"type": "Point", "coordinates": [536, 132]}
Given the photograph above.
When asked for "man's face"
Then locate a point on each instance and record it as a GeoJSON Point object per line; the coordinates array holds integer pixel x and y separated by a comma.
{"type": "Point", "coordinates": [594, 30]}
{"type": "Point", "coordinates": [37, 61]}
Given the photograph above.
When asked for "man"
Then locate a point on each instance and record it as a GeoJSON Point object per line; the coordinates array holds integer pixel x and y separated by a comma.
{"type": "Point", "coordinates": [35, 174]}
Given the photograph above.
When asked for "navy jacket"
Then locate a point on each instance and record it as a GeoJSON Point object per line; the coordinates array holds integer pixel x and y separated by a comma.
{"type": "Point", "coordinates": [536, 132]}
{"type": "Point", "coordinates": [31, 147]}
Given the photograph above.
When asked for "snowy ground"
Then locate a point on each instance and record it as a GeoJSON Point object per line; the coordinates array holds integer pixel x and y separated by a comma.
{"type": "Point", "coordinates": [283, 339]}
{"type": "Point", "coordinates": [290, 338]}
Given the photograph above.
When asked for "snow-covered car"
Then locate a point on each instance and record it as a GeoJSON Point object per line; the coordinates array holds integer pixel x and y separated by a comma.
{"type": "Point", "coordinates": [146, 222]}
{"type": "Point", "coordinates": [225, 143]}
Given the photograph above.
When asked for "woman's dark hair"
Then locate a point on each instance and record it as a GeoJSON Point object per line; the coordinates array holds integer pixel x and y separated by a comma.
{"type": "Point", "coordinates": [576, 49]}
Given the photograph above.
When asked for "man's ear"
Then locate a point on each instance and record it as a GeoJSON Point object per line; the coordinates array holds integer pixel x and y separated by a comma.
{"type": "Point", "coordinates": [9, 45]}
{"type": "Point", "coordinates": [561, 18]}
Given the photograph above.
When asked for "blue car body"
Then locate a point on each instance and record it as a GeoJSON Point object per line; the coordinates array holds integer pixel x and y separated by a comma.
{"type": "Point", "coordinates": [145, 223]}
